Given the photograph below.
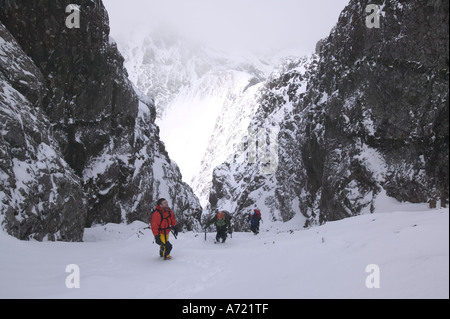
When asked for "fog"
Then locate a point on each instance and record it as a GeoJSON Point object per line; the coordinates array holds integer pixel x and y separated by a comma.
{"type": "Point", "coordinates": [236, 24]}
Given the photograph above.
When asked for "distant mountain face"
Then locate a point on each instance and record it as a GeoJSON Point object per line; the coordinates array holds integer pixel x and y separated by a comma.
{"type": "Point", "coordinates": [368, 117]}
{"type": "Point", "coordinates": [204, 98]}
{"type": "Point", "coordinates": [166, 66]}
{"type": "Point", "coordinates": [79, 145]}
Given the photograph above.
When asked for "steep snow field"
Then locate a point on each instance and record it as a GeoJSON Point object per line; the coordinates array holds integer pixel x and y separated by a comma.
{"type": "Point", "coordinates": [405, 250]}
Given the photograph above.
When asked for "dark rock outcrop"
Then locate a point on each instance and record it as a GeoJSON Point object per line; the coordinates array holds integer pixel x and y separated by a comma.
{"type": "Point", "coordinates": [78, 108]}
{"type": "Point", "coordinates": [40, 196]}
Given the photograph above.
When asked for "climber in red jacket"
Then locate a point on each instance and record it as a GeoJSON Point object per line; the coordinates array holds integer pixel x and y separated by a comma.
{"type": "Point", "coordinates": [162, 222]}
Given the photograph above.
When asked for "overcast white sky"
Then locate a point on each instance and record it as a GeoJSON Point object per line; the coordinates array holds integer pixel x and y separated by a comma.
{"type": "Point", "coordinates": [239, 24]}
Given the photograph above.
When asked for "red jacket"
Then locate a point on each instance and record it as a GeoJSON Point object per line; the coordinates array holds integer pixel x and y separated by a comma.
{"type": "Point", "coordinates": [164, 226]}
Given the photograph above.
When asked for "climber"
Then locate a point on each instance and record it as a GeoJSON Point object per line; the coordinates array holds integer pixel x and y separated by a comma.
{"type": "Point", "coordinates": [254, 219]}
{"type": "Point", "coordinates": [222, 220]}
{"type": "Point", "coordinates": [162, 222]}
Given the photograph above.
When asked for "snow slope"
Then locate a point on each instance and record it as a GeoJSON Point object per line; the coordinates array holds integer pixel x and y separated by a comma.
{"type": "Point", "coordinates": [409, 244]}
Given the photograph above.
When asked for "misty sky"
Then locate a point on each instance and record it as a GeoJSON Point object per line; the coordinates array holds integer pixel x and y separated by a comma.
{"type": "Point", "coordinates": [236, 24]}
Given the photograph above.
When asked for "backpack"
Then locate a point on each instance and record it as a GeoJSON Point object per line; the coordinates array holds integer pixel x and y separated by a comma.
{"type": "Point", "coordinates": [258, 213]}
{"type": "Point", "coordinates": [162, 218]}
{"type": "Point", "coordinates": [227, 215]}
{"type": "Point", "coordinates": [221, 219]}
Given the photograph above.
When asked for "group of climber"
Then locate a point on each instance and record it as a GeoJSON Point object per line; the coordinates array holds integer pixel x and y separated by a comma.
{"type": "Point", "coordinates": [163, 223]}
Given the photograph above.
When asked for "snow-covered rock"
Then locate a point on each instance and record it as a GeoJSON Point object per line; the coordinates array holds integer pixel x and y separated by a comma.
{"type": "Point", "coordinates": [243, 184]}
{"type": "Point", "coordinates": [371, 119]}
{"type": "Point", "coordinates": [40, 196]}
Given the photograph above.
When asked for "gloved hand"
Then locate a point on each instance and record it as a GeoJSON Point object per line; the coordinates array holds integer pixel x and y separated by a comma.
{"type": "Point", "coordinates": [175, 231]}
{"type": "Point", "coordinates": [158, 240]}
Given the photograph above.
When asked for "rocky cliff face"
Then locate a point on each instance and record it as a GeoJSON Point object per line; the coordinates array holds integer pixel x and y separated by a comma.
{"type": "Point", "coordinates": [79, 145]}
{"type": "Point", "coordinates": [40, 195]}
{"type": "Point", "coordinates": [373, 121]}
{"type": "Point", "coordinates": [270, 183]}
